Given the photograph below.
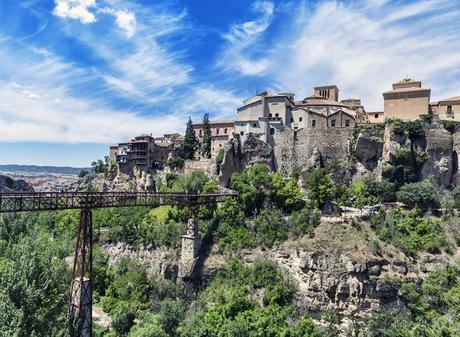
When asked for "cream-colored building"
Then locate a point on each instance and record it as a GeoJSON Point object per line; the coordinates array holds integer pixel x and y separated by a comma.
{"type": "Point", "coordinates": [407, 101]}
{"type": "Point", "coordinates": [448, 109]}
{"type": "Point", "coordinates": [267, 113]}
{"type": "Point", "coordinates": [221, 133]}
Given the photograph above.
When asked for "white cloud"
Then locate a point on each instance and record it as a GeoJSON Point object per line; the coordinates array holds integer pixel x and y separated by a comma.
{"type": "Point", "coordinates": [85, 11]}
{"type": "Point", "coordinates": [364, 46]}
{"type": "Point", "coordinates": [76, 9]}
{"type": "Point", "coordinates": [242, 38]}
{"type": "Point", "coordinates": [125, 19]}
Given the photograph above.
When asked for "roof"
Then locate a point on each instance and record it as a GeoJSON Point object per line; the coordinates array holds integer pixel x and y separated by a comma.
{"type": "Point", "coordinates": [451, 99]}
{"type": "Point", "coordinates": [215, 123]}
{"type": "Point", "coordinates": [409, 89]}
{"type": "Point", "coordinates": [318, 100]}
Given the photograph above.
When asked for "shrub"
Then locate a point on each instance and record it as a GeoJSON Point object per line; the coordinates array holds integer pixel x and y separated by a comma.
{"type": "Point", "coordinates": [175, 162]}
{"type": "Point", "coordinates": [320, 186]}
{"type": "Point", "coordinates": [421, 194]}
{"type": "Point", "coordinates": [193, 182]}
{"type": "Point", "coordinates": [407, 231]}
{"type": "Point", "coordinates": [219, 160]}
{"type": "Point", "coordinates": [385, 190]}
{"type": "Point", "coordinates": [252, 185]}
{"type": "Point", "coordinates": [450, 126]}
{"type": "Point", "coordinates": [405, 166]}
{"type": "Point", "coordinates": [285, 194]}
{"type": "Point", "coordinates": [304, 221]}
{"type": "Point", "coordinates": [456, 197]}
{"type": "Point", "coordinates": [270, 228]}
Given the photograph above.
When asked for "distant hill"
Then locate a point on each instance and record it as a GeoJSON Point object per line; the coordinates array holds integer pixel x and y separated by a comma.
{"type": "Point", "coordinates": [42, 169]}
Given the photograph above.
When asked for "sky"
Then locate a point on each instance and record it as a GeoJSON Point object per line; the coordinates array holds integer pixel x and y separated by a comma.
{"type": "Point", "coordinates": [79, 75]}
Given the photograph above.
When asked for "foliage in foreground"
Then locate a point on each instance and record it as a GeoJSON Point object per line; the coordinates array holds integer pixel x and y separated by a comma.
{"type": "Point", "coordinates": [434, 309]}
{"type": "Point", "coordinates": [409, 232]}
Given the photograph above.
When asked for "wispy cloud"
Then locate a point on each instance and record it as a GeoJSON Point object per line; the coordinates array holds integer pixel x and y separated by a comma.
{"type": "Point", "coordinates": [241, 39]}
{"type": "Point", "coordinates": [362, 46]}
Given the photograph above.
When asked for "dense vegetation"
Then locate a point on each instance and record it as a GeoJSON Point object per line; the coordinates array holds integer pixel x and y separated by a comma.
{"type": "Point", "coordinates": [240, 300]}
{"type": "Point", "coordinates": [433, 309]}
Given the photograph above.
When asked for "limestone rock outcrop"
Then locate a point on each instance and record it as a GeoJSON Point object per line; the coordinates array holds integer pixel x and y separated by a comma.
{"type": "Point", "coordinates": [8, 184]}
{"type": "Point", "coordinates": [439, 148]}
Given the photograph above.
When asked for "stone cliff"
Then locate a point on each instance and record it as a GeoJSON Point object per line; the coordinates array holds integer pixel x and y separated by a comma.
{"type": "Point", "coordinates": [8, 184]}
{"type": "Point", "coordinates": [356, 153]}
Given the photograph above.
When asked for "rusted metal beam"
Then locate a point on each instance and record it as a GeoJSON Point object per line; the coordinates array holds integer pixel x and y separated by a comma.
{"type": "Point", "coordinates": [50, 201]}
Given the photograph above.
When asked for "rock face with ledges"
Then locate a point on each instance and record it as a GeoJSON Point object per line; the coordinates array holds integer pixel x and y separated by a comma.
{"type": "Point", "coordinates": [8, 184]}
{"type": "Point", "coordinates": [439, 148]}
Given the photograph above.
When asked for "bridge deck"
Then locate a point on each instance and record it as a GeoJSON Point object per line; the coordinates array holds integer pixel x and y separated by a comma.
{"type": "Point", "coordinates": [46, 201]}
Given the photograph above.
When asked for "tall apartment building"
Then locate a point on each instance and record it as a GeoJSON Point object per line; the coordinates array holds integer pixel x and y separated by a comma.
{"type": "Point", "coordinates": [144, 151]}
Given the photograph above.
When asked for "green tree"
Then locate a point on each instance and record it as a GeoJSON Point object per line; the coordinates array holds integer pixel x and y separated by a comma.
{"type": "Point", "coordinates": [193, 182]}
{"type": "Point", "coordinates": [421, 194]}
{"type": "Point", "coordinates": [320, 186]}
{"type": "Point", "coordinates": [252, 185]}
{"type": "Point", "coordinates": [207, 137]}
{"type": "Point", "coordinates": [190, 144]}
{"type": "Point", "coordinates": [175, 162]}
{"type": "Point", "coordinates": [270, 228]}
{"type": "Point", "coordinates": [285, 194]}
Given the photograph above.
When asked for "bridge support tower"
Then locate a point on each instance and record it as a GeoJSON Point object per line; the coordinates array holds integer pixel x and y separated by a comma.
{"type": "Point", "coordinates": [80, 311]}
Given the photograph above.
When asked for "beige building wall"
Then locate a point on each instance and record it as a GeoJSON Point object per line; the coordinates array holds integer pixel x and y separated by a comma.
{"type": "Point", "coordinates": [340, 120]}
{"type": "Point", "coordinates": [406, 108]}
{"type": "Point", "coordinates": [252, 111]}
{"type": "Point", "coordinates": [449, 110]}
{"type": "Point", "coordinates": [277, 108]}
{"type": "Point", "coordinates": [375, 117]}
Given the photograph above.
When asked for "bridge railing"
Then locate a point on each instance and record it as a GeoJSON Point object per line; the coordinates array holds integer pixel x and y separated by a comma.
{"type": "Point", "coordinates": [43, 201]}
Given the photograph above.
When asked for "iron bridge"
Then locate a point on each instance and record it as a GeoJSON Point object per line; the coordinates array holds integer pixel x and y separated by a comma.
{"type": "Point", "coordinates": [52, 201]}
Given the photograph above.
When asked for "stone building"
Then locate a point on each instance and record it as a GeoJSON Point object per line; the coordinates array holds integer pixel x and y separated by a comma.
{"type": "Point", "coordinates": [221, 133]}
{"type": "Point", "coordinates": [407, 101]}
{"type": "Point", "coordinates": [448, 109]}
{"type": "Point", "coordinates": [144, 151]}
{"type": "Point", "coordinates": [266, 114]}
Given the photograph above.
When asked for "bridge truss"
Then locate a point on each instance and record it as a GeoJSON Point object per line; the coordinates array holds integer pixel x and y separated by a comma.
{"type": "Point", "coordinates": [80, 307]}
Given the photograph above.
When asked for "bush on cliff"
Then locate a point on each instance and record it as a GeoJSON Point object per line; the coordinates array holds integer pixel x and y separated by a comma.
{"type": "Point", "coordinates": [285, 194]}
{"type": "Point", "coordinates": [409, 232]}
{"type": "Point", "coordinates": [248, 302]}
{"type": "Point", "coordinates": [320, 186]}
{"type": "Point", "coordinates": [421, 194]}
{"type": "Point", "coordinates": [434, 306]}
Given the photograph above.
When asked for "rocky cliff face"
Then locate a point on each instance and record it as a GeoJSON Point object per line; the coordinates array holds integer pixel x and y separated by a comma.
{"type": "Point", "coordinates": [8, 184]}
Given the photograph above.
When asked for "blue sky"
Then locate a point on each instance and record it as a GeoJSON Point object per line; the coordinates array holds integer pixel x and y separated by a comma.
{"type": "Point", "coordinates": [78, 75]}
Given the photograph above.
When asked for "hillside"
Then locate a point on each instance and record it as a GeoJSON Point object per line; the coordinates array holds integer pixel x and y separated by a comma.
{"type": "Point", "coordinates": [42, 169]}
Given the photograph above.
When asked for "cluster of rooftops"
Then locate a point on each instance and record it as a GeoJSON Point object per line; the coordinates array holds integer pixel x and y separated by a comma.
{"type": "Point", "coordinates": [267, 114]}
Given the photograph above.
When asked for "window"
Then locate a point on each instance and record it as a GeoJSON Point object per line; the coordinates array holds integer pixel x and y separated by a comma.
{"type": "Point", "coordinates": [347, 122]}
{"type": "Point", "coordinates": [313, 123]}
{"type": "Point", "coordinates": [300, 119]}
{"type": "Point", "coordinates": [292, 119]}
{"type": "Point", "coordinates": [225, 130]}
{"type": "Point", "coordinates": [217, 131]}
{"type": "Point", "coordinates": [254, 125]}
{"type": "Point", "coordinates": [449, 109]}
{"type": "Point", "coordinates": [201, 132]}
{"type": "Point", "coordinates": [332, 122]}
{"type": "Point", "coordinates": [277, 115]}
{"type": "Point", "coordinates": [376, 115]}
{"type": "Point", "coordinates": [242, 133]}
{"type": "Point", "coordinates": [272, 131]}
{"type": "Point", "coordinates": [270, 115]}
{"type": "Point", "coordinates": [220, 145]}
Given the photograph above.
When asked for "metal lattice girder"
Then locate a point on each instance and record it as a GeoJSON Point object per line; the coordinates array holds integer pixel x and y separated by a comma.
{"type": "Point", "coordinates": [49, 201]}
